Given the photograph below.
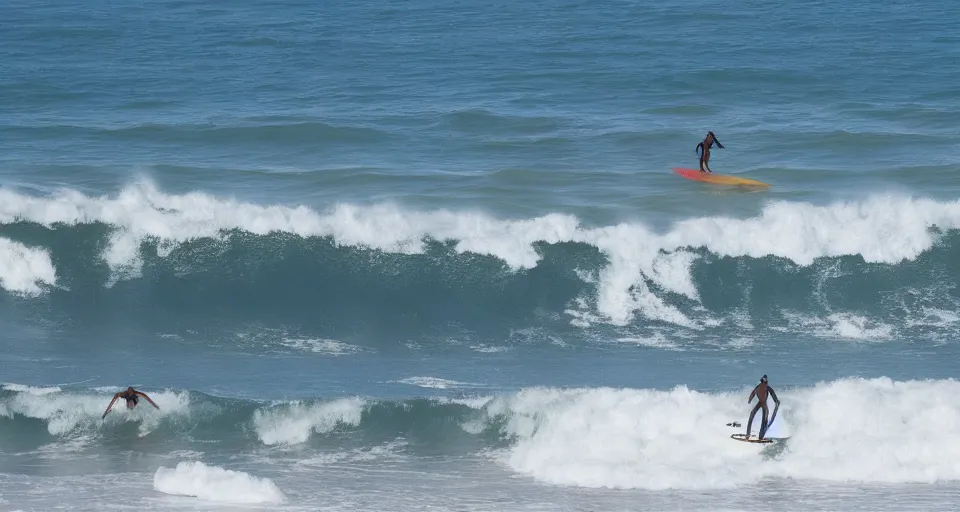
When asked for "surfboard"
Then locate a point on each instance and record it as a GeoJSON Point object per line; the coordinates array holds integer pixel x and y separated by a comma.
{"type": "Point", "coordinates": [717, 179]}
{"type": "Point", "coordinates": [751, 439]}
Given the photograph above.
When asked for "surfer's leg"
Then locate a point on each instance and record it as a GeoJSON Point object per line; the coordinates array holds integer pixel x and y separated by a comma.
{"type": "Point", "coordinates": [706, 162]}
{"type": "Point", "coordinates": [763, 422]}
{"type": "Point", "coordinates": [750, 421]}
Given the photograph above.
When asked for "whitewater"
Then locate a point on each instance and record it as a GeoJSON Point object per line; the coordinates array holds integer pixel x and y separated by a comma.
{"type": "Point", "coordinates": [833, 435]}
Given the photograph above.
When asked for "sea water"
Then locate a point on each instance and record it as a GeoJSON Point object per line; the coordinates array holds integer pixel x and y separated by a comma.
{"type": "Point", "coordinates": [431, 255]}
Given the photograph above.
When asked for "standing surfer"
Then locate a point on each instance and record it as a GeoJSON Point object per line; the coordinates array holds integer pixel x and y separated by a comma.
{"type": "Point", "coordinates": [132, 396]}
{"type": "Point", "coordinates": [761, 393]}
{"type": "Point", "coordinates": [703, 149]}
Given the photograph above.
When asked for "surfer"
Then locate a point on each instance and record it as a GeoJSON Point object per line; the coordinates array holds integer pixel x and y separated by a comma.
{"type": "Point", "coordinates": [132, 396]}
{"type": "Point", "coordinates": [703, 149]}
{"type": "Point", "coordinates": [761, 393]}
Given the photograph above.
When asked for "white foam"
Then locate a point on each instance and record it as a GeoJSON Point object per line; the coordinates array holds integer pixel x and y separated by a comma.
{"type": "Point", "coordinates": [876, 430]}
{"type": "Point", "coordinates": [489, 349]}
{"type": "Point", "coordinates": [740, 342]}
{"type": "Point", "coordinates": [185, 454]}
{"type": "Point", "coordinates": [638, 257]}
{"type": "Point", "coordinates": [75, 413]}
{"type": "Point", "coordinates": [477, 402]}
{"type": "Point", "coordinates": [215, 484]}
{"type": "Point", "coordinates": [851, 430]}
{"type": "Point", "coordinates": [624, 438]}
{"type": "Point", "coordinates": [321, 346]}
{"type": "Point", "coordinates": [581, 315]}
{"type": "Point", "coordinates": [23, 388]}
{"type": "Point", "coordinates": [655, 340]}
{"type": "Point", "coordinates": [847, 326]}
{"type": "Point", "coordinates": [292, 423]}
{"type": "Point", "coordinates": [434, 383]}
{"type": "Point", "coordinates": [24, 269]}
{"type": "Point", "coordinates": [934, 317]}
{"type": "Point", "coordinates": [390, 450]}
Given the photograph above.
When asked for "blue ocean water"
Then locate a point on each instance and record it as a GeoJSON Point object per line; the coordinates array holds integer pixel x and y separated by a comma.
{"type": "Point", "coordinates": [431, 255]}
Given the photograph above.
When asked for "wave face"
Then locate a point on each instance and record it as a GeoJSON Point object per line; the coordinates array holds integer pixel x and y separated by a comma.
{"type": "Point", "coordinates": [876, 430]}
{"type": "Point", "coordinates": [874, 268]}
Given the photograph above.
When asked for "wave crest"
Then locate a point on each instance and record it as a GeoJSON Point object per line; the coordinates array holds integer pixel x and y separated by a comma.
{"type": "Point", "coordinates": [215, 484]}
{"type": "Point", "coordinates": [614, 275]}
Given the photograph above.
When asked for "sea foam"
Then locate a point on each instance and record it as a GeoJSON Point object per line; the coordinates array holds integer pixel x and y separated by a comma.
{"type": "Point", "coordinates": [212, 483]}
{"type": "Point", "coordinates": [293, 423]}
{"type": "Point", "coordinates": [880, 229]}
{"type": "Point", "coordinates": [860, 430]}
{"type": "Point", "coordinates": [68, 412]}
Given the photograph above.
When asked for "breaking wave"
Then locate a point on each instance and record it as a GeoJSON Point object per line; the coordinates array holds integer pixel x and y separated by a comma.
{"type": "Point", "coordinates": [866, 430]}
{"type": "Point", "coordinates": [212, 483]}
{"type": "Point", "coordinates": [862, 269]}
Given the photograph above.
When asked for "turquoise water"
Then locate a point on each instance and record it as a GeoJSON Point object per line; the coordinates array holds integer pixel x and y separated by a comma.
{"type": "Point", "coordinates": [395, 256]}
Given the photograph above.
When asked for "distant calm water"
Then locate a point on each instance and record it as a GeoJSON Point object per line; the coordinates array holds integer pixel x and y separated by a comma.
{"type": "Point", "coordinates": [431, 255]}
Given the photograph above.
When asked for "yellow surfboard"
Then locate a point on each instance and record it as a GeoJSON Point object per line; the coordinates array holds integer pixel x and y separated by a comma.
{"type": "Point", "coordinates": [717, 179]}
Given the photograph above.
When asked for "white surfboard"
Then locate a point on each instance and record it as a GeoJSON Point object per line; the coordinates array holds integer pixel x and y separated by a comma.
{"type": "Point", "coordinates": [775, 431]}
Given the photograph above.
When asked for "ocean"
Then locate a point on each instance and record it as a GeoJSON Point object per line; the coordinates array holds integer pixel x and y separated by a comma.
{"type": "Point", "coordinates": [412, 256]}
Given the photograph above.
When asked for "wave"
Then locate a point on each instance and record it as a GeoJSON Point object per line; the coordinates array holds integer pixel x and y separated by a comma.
{"type": "Point", "coordinates": [866, 430]}
{"type": "Point", "coordinates": [215, 484]}
{"type": "Point", "coordinates": [294, 423]}
{"type": "Point", "coordinates": [884, 259]}
{"type": "Point", "coordinates": [285, 132]}
{"type": "Point", "coordinates": [77, 414]}
{"type": "Point", "coordinates": [849, 430]}
{"type": "Point", "coordinates": [39, 416]}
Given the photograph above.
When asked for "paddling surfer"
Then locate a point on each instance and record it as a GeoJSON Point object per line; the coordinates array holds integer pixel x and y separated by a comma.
{"type": "Point", "coordinates": [132, 396]}
{"type": "Point", "coordinates": [760, 391]}
{"type": "Point", "coordinates": [703, 149]}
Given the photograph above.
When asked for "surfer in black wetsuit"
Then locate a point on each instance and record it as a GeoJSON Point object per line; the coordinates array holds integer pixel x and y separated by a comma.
{"type": "Point", "coordinates": [703, 149]}
{"type": "Point", "coordinates": [761, 393]}
{"type": "Point", "coordinates": [132, 396]}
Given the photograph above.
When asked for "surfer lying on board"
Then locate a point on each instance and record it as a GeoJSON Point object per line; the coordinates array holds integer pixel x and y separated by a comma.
{"type": "Point", "coordinates": [703, 149]}
{"type": "Point", "coordinates": [761, 393]}
{"type": "Point", "coordinates": [132, 396]}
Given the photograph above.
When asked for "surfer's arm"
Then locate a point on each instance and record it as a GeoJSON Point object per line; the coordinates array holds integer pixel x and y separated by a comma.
{"type": "Point", "coordinates": [697, 150]}
{"type": "Point", "coordinates": [718, 142]}
{"type": "Point", "coordinates": [752, 394]}
{"type": "Point", "coordinates": [144, 395]}
{"type": "Point", "coordinates": [115, 397]}
{"type": "Point", "coordinates": [773, 394]}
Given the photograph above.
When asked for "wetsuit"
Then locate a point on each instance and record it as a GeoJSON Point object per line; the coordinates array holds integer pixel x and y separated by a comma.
{"type": "Point", "coordinates": [761, 393]}
{"type": "Point", "coordinates": [704, 149]}
{"type": "Point", "coordinates": [132, 396]}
